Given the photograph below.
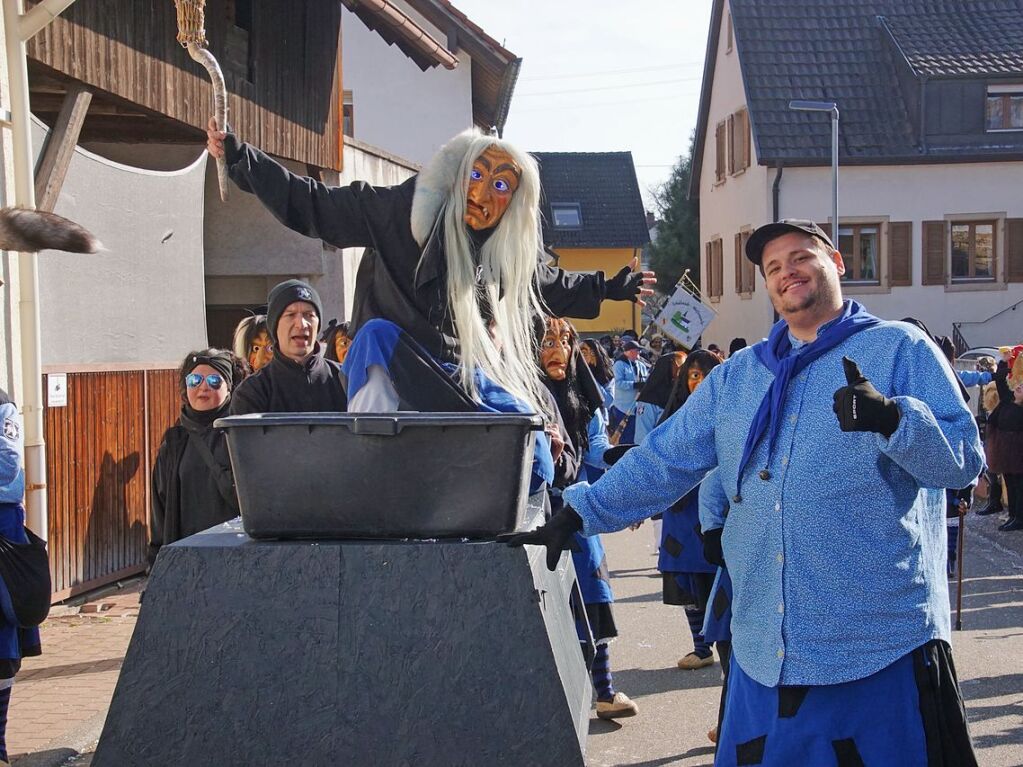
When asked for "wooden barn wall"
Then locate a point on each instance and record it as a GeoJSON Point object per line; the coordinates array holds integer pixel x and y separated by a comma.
{"type": "Point", "coordinates": [100, 451]}
{"type": "Point", "coordinates": [128, 48]}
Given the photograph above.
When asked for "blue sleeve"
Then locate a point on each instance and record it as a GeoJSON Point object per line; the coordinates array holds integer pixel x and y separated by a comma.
{"type": "Point", "coordinates": [609, 393]}
{"type": "Point", "coordinates": [625, 376]}
{"type": "Point", "coordinates": [649, 478]}
{"type": "Point", "coordinates": [599, 443]}
{"type": "Point", "coordinates": [937, 440]}
{"type": "Point", "coordinates": [12, 455]}
{"type": "Point", "coordinates": [713, 502]}
{"type": "Point", "coordinates": [974, 377]}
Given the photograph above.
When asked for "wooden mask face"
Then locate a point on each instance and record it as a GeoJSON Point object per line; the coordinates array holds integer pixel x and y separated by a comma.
{"type": "Point", "coordinates": [556, 348]}
{"type": "Point", "coordinates": [492, 183]}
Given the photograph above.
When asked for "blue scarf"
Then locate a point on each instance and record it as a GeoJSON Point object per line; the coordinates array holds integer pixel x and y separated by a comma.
{"type": "Point", "coordinates": [775, 354]}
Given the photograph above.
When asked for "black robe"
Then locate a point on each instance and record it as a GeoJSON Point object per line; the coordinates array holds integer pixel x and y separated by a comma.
{"type": "Point", "coordinates": [188, 497]}
{"type": "Point", "coordinates": [399, 281]}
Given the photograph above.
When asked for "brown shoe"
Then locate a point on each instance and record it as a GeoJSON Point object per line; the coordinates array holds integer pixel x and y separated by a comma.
{"type": "Point", "coordinates": [619, 707]}
{"type": "Point", "coordinates": [712, 735]}
{"type": "Point", "coordinates": [693, 661]}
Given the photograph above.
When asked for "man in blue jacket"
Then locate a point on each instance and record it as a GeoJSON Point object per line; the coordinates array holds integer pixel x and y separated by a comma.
{"type": "Point", "coordinates": [833, 439]}
{"type": "Point", "coordinates": [631, 373]}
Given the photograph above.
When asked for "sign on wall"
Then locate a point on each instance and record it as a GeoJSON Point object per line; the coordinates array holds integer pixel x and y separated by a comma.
{"type": "Point", "coordinates": [56, 390]}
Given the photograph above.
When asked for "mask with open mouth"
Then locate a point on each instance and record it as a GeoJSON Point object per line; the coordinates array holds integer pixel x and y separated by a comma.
{"type": "Point", "coordinates": [492, 183]}
{"type": "Point", "coordinates": [556, 348]}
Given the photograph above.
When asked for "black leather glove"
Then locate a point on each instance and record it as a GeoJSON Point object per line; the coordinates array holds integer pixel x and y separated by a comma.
{"type": "Point", "coordinates": [712, 546]}
{"type": "Point", "coordinates": [624, 286]}
{"type": "Point", "coordinates": [861, 407]}
{"type": "Point", "coordinates": [1001, 371]}
{"type": "Point", "coordinates": [556, 535]}
{"type": "Point", "coordinates": [615, 454]}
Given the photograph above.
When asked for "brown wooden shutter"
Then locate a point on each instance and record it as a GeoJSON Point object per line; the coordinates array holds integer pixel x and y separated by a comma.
{"type": "Point", "coordinates": [900, 253]}
{"type": "Point", "coordinates": [739, 263]}
{"type": "Point", "coordinates": [721, 152]}
{"type": "Point", "coordinates": [719, 266]}
{"type": "Point", "coordinates": [747, 141]}
{"type": "Point", "coordinates": [1014, 250]}
{"type": "Point", "coordinates": [935, 253]}
{"type": "Point", "coordinates": [731, 144]}
{"type": "Point", "coordinates": [708, 283]}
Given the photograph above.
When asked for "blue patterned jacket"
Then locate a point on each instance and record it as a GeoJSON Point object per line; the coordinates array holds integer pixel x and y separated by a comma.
{"type": "Point", "coordinates": [837, 555]}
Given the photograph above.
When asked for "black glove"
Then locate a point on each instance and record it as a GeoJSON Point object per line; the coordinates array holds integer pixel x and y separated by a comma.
{"type": "Point", "coordinates": [556, 535]}
{"type": "Point", "coordinates": [712, 546]}
{"type": "Point", "coordinates": [624, 286]}
{"type": "Point", "coordinates": [1001, 372]}
{"type": "Point", "coordinates": [615, 454]}
{"type": "Point", "coordinates": [861, 407]}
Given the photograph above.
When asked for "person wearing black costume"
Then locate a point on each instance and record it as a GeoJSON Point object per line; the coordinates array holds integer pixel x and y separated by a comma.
{"type": "Point", "coordinates": [579, 401]}
{"type": "Point", "coordinates": [456, 265]}
{"type": "Point", "coordinates": [193, 487]}
{"type": "Point", "coordinates": [297, 379]}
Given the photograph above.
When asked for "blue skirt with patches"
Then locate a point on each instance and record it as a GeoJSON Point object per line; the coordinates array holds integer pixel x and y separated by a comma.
{"type": "Point", "coordinates": [909, 714]}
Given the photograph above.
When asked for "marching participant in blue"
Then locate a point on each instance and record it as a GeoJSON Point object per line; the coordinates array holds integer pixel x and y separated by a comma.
{"type": "Point", "coordinates": [832, 438]}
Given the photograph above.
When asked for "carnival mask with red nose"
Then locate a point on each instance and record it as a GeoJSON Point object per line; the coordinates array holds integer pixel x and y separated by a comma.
{"type": "Point", "coordinates": [492, 183]}
{"type": "Point", "coordinates": [556, 348]}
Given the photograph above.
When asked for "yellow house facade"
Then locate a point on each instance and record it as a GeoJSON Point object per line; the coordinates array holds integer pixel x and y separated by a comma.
{"type": "Point", "coordinates": [594, 221]}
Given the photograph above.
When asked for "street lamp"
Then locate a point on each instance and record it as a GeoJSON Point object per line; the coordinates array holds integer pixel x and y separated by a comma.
{"type": "Point", "coordinates": [832, 108]}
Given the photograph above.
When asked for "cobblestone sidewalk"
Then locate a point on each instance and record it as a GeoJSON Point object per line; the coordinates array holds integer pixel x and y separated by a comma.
{"type": "Point", "coordinates": [61, 698]}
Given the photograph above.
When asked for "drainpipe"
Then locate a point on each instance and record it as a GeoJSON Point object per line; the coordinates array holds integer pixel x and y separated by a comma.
{"type": "Point", "coordinates": [776, 192]}
{"type": "Point", "coordinates": [18, 28]}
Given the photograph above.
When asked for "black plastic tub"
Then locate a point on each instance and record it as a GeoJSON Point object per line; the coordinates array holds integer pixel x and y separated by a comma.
{"type": "Point", "coordinates": [399, 475]}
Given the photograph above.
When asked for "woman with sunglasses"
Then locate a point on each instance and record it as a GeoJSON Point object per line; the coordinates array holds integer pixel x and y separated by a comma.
{"type": "Point", "coordinates": [193, 488]}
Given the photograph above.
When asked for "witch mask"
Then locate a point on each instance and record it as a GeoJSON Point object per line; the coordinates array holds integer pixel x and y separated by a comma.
{"type": "Point", "coordinates": [492, 183]}
{"type": "Point", "coordinates": [556, 348]}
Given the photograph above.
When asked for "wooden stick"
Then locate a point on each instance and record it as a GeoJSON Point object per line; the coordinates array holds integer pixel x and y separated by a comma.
{"type": "Point", "coordinates": [209, 61]}
{"type": "Point", "coordinates": [959, 568]}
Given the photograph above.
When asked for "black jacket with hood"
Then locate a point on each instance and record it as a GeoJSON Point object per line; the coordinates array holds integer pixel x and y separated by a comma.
{"type": "Point", "coordinates": [404, 280]}
{"type": "Point", "coordinates": [188, 495]}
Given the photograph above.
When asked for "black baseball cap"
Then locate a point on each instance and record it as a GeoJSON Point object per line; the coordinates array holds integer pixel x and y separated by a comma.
{"type": "Point", "coordinates": [631, 345]}
{"type": "Point", "coordinates": [758, 240]}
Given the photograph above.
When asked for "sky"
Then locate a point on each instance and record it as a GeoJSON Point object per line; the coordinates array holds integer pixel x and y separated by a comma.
{"type": "Point", "coordinates": [603, 76]}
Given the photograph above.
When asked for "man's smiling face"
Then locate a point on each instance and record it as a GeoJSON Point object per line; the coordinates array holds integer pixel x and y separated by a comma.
{"type": "Point", "coordinates": [492, 184]}
{"type": "Point", "coordinates": [799, 276]}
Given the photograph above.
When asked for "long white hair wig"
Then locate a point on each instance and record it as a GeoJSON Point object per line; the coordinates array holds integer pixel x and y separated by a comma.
{"type": "Point", "coordinates": [507, 267]}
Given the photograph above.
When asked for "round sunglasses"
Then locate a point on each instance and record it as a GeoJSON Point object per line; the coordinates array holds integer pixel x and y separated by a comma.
{"type": "Point", "coordinates": [213, 380]}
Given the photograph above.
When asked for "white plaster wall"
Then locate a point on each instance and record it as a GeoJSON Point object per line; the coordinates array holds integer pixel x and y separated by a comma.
{"type": "Point", "coordinates": [397, 106]}
{"type": "Point", "coordinates": [141, 301]}
{"type": "Point", "coordinates": [742, 201]}
{"type": "Point", "coordinates": [920, 193]}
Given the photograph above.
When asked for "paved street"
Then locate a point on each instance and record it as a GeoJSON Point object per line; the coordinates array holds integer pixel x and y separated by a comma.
{"type": "Point", "coordinates": [60, 698]}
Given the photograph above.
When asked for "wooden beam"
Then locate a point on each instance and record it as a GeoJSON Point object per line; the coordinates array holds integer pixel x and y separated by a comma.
{"type": "Point", "coordinates": [55, 159]}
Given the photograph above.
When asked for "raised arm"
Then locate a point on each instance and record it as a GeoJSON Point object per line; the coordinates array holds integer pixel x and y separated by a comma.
{"type": "Point", "coordinates": [341, 216]}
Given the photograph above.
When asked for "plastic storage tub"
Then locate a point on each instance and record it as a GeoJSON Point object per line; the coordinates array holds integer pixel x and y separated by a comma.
{"type": "Point", "coordinates": [400, 475]}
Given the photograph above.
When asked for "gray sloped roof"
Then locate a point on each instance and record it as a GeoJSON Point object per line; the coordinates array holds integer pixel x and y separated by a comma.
{"type": "Point", "coordinates": [832, 50]}
{"type": "Point", "coordinates": [854, 52]}
{"type": "Point", "coordinates": [605, 187]}
{"type": "Point", "coordinates": [985, 39]}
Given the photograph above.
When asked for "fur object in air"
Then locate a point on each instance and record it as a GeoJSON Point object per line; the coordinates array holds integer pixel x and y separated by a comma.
{"type": "Point", "coordinates": [29, 231]}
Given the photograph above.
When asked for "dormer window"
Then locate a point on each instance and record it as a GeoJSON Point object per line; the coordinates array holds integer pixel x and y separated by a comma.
{"type": "Point", "coordinates": [567, 215]}
{"type": "Point", "coordinates": [1004, 107]}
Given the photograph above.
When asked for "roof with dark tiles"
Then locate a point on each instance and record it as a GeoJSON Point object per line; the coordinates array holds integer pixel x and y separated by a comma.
{"type": "Point", "coordinates": [985, 40]}
{"type": "Point", "coordinates": [605, 187]}
{"type": "Point", "coordinates": [841, 50]}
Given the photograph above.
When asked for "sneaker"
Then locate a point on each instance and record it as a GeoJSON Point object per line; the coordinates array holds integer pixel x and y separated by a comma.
{"type": "Point", "coordinates": [1014, 523]}
{"type": "Point", "coordinates": [692, 661]}
{"type": "Point", "coordinates": [712, 735]}
{"type": "Point", "coordinates": [619, 707]}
